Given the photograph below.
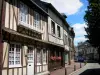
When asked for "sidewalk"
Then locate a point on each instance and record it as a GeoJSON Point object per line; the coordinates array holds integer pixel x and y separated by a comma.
{"type": "Point", "coordinates": [88, 69]}
{"type": "Point", "coordinates": [70, 69]}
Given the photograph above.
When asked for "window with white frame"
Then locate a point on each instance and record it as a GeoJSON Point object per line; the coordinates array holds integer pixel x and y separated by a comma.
{"type": "Point", "coordinates": [65, 39]}
{"type": "Point", "coordinates": [44, 56]}
{"type": "Point", "coordinates": [38, 56]}
{"type": "Point", "coordinates": [43, 22]}
{"type": "Point", "coordinates": [52, 27]}
{"type": "Point", "coordinates": [23, 12]}
{"type": "Point", "coordinates": [37, 20]}
{"type": "Point", "coordinates": [15, 55]}
{"type": "Point", "coordinates": [30, 53]}
{"type": "Point", "coordinates": [58, 31]}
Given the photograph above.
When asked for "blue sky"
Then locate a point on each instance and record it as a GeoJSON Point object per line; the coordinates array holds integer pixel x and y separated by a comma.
{"type": "Point", "coordinates": [75, 11]}
{"type": "Point", "coordinates": [78, 19]}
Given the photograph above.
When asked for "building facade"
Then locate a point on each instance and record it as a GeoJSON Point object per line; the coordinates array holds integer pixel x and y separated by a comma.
{"type": "Point", "coordinates": [87, 51]}
{"type": "Point", "coordinates": [32, 39]}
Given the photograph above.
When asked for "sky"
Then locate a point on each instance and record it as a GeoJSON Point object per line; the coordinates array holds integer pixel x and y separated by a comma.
{"type": "Point", "coordinates": [75, 11]}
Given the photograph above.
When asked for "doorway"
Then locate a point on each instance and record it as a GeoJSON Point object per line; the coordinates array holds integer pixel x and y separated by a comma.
{"type": "Point", "coordinates": [30, 66]}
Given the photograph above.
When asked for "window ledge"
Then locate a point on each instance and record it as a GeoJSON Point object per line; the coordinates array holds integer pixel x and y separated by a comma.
{"type": "Point", "coordinates": [12, 66]}
{"type": "Point", "coordinates": [31, 27]}
{"type": "Point", "coordinates": [39, 64]}
{"type": "Point", "coordinates": [44, 63]}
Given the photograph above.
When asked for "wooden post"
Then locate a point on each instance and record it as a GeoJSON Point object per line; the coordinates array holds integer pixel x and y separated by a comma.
{"type": "Point", "coordinates": [65, 71]}
{"type": "Point", "coordinates": [74, 67]}
{"type": "Point", "coordinates": [80, 65]}
{"type": "Point", "coordinates": [1, 44]}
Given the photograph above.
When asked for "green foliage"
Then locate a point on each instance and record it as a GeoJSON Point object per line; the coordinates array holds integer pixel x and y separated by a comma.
{"type": "Point", "coordinates": [92, 19]}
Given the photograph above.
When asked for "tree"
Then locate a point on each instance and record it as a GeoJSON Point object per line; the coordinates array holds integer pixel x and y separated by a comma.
{"type": "Point", "coordinates": [92, 19]}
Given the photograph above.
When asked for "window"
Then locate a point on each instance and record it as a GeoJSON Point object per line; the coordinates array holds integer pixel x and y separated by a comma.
{"type": "Point", "coordinates": [30, 53]}
{"type": "Point", "coordinates": [52, 27]}
{"type": "Point", "coordinates": [37, 20]}
{"type": "Point", "coordinates": [14, 55]}
{"type": "Point", "coordinates": [23, 12]}
{"type": "Point", "coordinates": [38, 56]}
{"type": "Point", "coordinates": [58, 31]}
{"type": "Point", "coordinates": [65, 39]}
{"type": "Point", "coordinates": [58, 53]}
{"type": "Point", "coordinates": [69, 40]}
{"type": "Point", "coordinates": [43, 22]}
{"type": "Point", "coordinates": [44, 56]}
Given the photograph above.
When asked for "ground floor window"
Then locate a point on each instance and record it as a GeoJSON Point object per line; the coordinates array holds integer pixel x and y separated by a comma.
{"type": "Point", "coordinates": [14, 55]}
{"type": "Point", "coordinates": [44, 56]}
{"type": "Point", "coordinates": [39, 58]}
{"type": "Point", "coordinates": [30, 53]}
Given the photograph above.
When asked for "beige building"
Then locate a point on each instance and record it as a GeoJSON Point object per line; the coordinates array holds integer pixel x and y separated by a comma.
{"type": "Point", "coordinates": [33, 38]}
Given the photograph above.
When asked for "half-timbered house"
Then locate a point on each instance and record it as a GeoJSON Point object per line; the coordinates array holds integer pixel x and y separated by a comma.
{"type": "Point", "coordinates": [62, 35]}
{"type": "Point", "coordinates": [24, 36]}
{"type": "Point", "coordinates": [32, 38]}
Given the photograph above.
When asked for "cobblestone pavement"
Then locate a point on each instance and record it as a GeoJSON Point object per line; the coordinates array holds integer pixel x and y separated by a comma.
{"type": "Point", "coordinates": [70, 69]}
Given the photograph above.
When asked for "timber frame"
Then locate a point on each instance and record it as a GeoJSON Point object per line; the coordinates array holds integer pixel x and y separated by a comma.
{"type": "Point", "coordinates": [11, 31]}
{"type": "Point", "coordinates": [2, 15]}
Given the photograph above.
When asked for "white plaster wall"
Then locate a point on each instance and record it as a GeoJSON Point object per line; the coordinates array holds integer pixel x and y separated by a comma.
{"type": "Point", "coordinates": [55, 38]}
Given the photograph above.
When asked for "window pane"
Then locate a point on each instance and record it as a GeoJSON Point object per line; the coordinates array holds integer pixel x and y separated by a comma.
{"type": "Point", "coordinates": [58, 31]}
{"type": "Point", "coordinates": [17, 54]}
{"type": "Point", "coordinates": [11, 54]}
{"type": "Point", "coordinates": [53, 27]}
{"type": "Point", "coordinates": [14, 54]}
{"type": "Point", "coordinates": [44, 56]}
{"type": "Point", "coordinates": [36, 20]}
{"type": "Point", "coordinates": [30, 53]}
{"type": "Point", "coordinates": [23, 12]}
{"type": "Point", "coordinates": [38, 56]}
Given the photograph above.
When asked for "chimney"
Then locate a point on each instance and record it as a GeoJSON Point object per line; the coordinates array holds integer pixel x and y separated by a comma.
{"type": "Point", "coordinates": [64, 15]}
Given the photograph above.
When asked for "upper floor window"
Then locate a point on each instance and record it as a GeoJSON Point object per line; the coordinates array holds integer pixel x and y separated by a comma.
{"type": "Point", "coordinates": [69, 40]}
{"type": "Point", "coordinates": [53, 27]}
{"type": "Point", "coordinates": [23, 12]}
{"type": "Point", "coordinates": [65, 39]}
{"type": "Point", "coordinates": [37, 20]}
{"type": "Point", "coordinates": [58, 31]}
{"type": "Point", "coordinates": [15, 55]}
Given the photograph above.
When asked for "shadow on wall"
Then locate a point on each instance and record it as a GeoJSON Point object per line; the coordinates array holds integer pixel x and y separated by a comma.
{"type": "Point", "coordinates": [91, 72]}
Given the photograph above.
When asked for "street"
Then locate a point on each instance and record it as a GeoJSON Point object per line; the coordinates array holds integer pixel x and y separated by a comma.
{"type": "Point", "coordinates": [69, 69]}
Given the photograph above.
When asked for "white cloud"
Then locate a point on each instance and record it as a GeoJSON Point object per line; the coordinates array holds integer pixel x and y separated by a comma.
{"type": "Point", "coordinates": [79, 29]}
{"type": "Point", "coordinates": [79, 32]}
{"type": "Point", "coordinates": [79, 39]}
{"type": "Point", "coordinates": [66, 6]}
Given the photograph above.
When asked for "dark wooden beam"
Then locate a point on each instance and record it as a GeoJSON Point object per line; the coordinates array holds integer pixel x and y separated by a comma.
{"type": "Point", "coordinates": [2, 10]}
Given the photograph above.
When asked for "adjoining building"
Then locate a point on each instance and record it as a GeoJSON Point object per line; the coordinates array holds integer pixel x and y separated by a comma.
{"type": "Point", "coordinates": [84, 49]}
{"type": "Point", "coordinates": [35, 38]}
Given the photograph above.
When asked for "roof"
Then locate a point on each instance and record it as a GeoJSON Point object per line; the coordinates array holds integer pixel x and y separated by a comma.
{"type": "Point", "coordinates": [49, 5]}
{"type": "Point", "coordinates": [37, 4]}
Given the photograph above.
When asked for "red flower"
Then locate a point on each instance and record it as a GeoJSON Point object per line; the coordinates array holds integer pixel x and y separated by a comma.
{"type": "Point", "coordinates": [58, 58]}
{"type": "Point", "coordinates": [53, 58]}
